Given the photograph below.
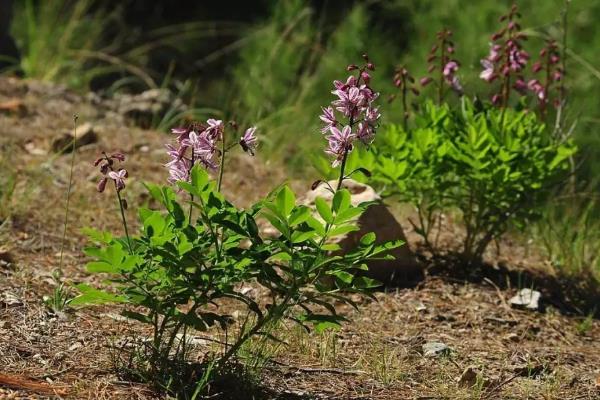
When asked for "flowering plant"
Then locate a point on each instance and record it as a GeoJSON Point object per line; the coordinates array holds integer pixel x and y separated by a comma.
{"type": "Point", "coordinates": [495, 166]}
{"type": "Point", "coordinates": [440, 59]}
{"type": "Point", "coordinates": [178, 271]}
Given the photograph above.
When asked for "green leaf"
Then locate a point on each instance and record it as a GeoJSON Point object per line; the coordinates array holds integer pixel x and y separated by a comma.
{"type": "Point", "coordinates": [101, 267]}
{"type": "Point", "coordinates": [316, 225]}
{"type": "Point", "coordinates": [137, 316]}
{"type": "Point", "coordinates": [299, 215]}
{"type": "Point", "coordinates": [90, 296]}
{"type": "Point", "coordinates": [277, 224]}
{"type": "Point", "coordinates": [343, 276]}
{"type": "Point", "coordinates": [285, 201]}
{"type": "Point", "coordinates": [331, 247]}
{"type": "Point", "coordinates": [341, 201]}
{"type": "Point", "coordinates": [348, 214]}
{"type": "Point", "coordinates": [199, 177]}
{"type": "Point", "coordinates": [324, 210]}
{"type": "Point", "coordinates": [343, 229]}
{"type": "Point", "coordinates": [98, 236]}
{"type": "Point", "coordinates": [299, 237]}
{"type": "Point", "coordinates": [368, 239]}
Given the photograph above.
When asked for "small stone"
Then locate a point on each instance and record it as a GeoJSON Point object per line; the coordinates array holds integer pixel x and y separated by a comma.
{"type": "Point", "coordinates": [526, 299]}
{"type": "Point", "coordinates": [419, 306]}
{"type": "Point", "coordinates": [75, 346]}
{"type": "Point", "coordinates": [435, 349]}
{"type": "Point", "coordinates": [13, 107]}
{"type": "Point", "coordinates": [469, 377]}
{"type": "Point", "coordinates": [34, 150]}
{"type": "Point", "coordinates": [10, 300]}
{"type": "Point", "coordinates": [6, 258]}
{"type": "Point", "coordinates": [83, 135]}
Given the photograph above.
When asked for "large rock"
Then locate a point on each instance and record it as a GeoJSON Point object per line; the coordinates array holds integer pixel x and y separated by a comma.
{"type": "Point", "coordinates": [404, 270]}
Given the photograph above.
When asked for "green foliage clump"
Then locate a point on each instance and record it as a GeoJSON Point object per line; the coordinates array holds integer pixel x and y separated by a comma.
{"type": "Point", "coordinates": [495, 166]}
{"type": "Point", "coordinates": [176, 274]}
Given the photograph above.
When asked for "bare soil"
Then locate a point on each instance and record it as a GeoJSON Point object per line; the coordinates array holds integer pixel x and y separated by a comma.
{"type": "Point", "coordinates": [500, 352]}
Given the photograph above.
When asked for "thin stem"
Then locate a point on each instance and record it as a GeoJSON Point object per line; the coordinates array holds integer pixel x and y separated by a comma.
{"type": "Point", "coordinates": [404, 108]}
{"type": "Point", "coordinates": [124, 220]}
{"type": "Point", "coordinates": [562, 93]}
{"type": "Point", "coordinates": [191, 195]}
{"type": "Point", "coordinates": [441, 84]}
{"type": "Point", "coordinates": [222, 163]}
{"type": "Point", "coordinates": [66, 222]}
{"type": "Point", "coordinates": [342, 168]}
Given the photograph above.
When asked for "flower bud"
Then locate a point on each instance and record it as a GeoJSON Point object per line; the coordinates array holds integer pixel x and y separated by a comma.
{"type": "Point", "coordinates": [101, 185]}
{"type": "Point", "coordinates": [371, 66]}
{"type": "Point", "coordinates": [425, 81]}
{"type": "Point", "coordinates": [315, 184]}
{"type": "Point", "coordinates": [118, 156]}
{"type": "Point", "coordinates": [365, 76]}
{"type": "Point", "coordinates": [351, 67]}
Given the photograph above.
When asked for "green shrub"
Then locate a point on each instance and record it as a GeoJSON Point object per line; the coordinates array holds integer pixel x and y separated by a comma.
{"type": "Point", "coordinates": [493, 165]}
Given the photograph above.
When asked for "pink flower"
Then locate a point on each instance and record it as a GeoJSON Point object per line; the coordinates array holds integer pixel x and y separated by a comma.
{"type": "Point", "coordinates": [339, 85]}
{"type": "Point", "coordinates": [202, 144]}
{"type": "Point", "coordinates": [365, 133]}
{"type": "Point", "coordinates": [249, 141]}
{"type": "Point", "coordinates": [450, 68]}
{"type": "Point", "coordinates": [328, 117]}
{"type": "Point", "coordinates": [119, 178]}
{"type": "Point", "coordinates": [348, 101]}
{"type": "Point", "coordinates": [182, 133]}
{"type": "Point", "coordinates": [179, 170]}
{"type": "Point", "coordinates": [488, 73]}
{"type": "Point", "coordinates": [536, 87]}
{"type": "Point", "coordinates": [339, 142]}
{"type": "Point", "coordinates": [215, 128]}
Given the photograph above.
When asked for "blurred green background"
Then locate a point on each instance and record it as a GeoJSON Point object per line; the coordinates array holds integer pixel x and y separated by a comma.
{"type": "Point", "coordinates": [271, 63]}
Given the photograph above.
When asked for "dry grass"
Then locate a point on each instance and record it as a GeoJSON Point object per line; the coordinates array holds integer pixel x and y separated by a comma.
{"type": "Point", "coordinates": [378, 355]}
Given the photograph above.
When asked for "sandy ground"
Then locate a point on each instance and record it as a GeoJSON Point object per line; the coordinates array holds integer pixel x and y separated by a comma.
{"type": "Point", "coordinates": [501, 353]}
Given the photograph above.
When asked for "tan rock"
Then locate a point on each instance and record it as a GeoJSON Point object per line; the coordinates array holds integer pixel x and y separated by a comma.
{"type": "Point", "coordinates": [83, 135]}
{"type": "Point", "coordinates": [404, 270]}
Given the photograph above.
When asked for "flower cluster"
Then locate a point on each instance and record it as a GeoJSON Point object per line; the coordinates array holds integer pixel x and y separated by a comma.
{"type": "Point", "coordinates": [405, 83]}
{"type": "Point", "coordinates": [549, 65]}
{"type": "Point", "coordinates": [440, 59]}
{"type": "Point", "coordinates": [507, 59]}
{"type": "Point", "coordinates": [198, 143]}
{"type": "Point", "coordinates": [107, 169]}
{"type": "Point", "coordinates": [356, 118]}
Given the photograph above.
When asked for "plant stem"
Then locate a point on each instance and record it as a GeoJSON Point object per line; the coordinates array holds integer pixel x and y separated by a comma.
{"type": "Point", "coordinates": [124, 220]}
{"type": "Point", "coordinates": [191, 195]}
{"type": "Point", "coordinates": [66, 222]}
{"type": "Point", "coordinates": [404, 108]}
{"type": "Point", "coordinates": [222, 163]}
{"type": "Point", "coordinates": [342, 168]}
{"type": "Point", "coordinates": [441, 84]}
